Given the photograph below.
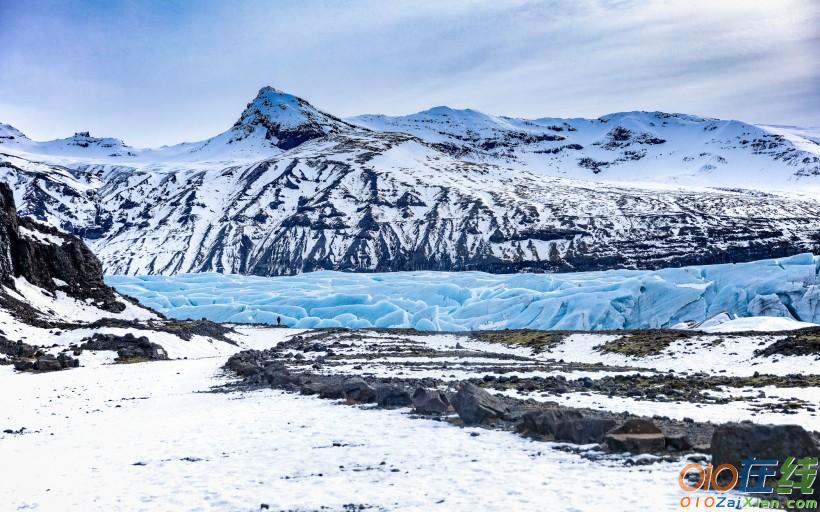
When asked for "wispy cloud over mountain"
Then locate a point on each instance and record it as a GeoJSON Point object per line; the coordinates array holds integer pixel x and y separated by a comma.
{"type": "Point", "coordinates": [177, 70]}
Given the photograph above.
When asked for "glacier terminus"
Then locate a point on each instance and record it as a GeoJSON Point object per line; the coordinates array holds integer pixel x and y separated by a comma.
{"type": "Point", "coordinates": [457, 301]}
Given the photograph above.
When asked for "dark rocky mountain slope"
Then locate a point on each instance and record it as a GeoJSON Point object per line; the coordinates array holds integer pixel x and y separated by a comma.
{"type": "Point", "coordinates": [49, 259]}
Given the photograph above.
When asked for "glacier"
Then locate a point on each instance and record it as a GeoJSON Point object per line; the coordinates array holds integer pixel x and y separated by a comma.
{"type": "Point", "coordinates": [459, 301]}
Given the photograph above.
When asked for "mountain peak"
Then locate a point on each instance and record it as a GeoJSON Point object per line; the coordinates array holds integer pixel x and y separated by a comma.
{"type": "Point", "coordinates": [274, 106]}
{"type": "Point", "coordinates": [444, 110]}
{"type": "Point", "coordinates": [10, 133]}
{"type": "Point", "coordinates": [86, 140]}
{"type": "Point", "coordinates": [284, 119]}
{"type": "Point", "coordinates": [270, 96]}
{"type": "Point", "coordinates": [269, 91]}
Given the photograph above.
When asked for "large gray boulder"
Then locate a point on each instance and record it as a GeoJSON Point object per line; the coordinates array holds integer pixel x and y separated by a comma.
{"type": "Point", "coordinates": [475, 405]}
{"type": "Point", "coordinates": [583, 430]}
{"type": "Point", "coordinates": [331, 390]}
{"type": "Point", "coordinates": [544, 422]}
{"type": "Point", "coordinates": [430, 401]}
{"type": "Point", "coordinates": [357, 389]}
{"type": "Point", "coordinates": [636, 436]}
{"type": "Point", "coordinates": [47, 363]}
{"type": "Point", "coordinates": [734, 442]}
{"type": "Point", "coordinates": [391, 395]}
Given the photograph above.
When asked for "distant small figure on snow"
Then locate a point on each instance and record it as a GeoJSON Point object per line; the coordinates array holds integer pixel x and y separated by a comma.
{"type": "Point", "coordinates": [278, 320]}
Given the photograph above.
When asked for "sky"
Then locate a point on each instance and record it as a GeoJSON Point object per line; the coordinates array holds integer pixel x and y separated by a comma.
{"type": "Point", "coordinates": [163, 72]}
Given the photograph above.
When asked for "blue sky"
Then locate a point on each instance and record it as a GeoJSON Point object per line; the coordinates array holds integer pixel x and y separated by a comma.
{"type": "Point", "coordinates": [170, 71]}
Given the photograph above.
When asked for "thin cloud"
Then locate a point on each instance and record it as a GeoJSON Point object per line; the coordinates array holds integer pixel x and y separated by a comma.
{"type": "Point", "coordinates": [164, 72]}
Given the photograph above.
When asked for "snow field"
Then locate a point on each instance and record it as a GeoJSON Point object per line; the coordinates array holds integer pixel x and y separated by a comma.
{"type": "Point", "coordinates": [146, 437]}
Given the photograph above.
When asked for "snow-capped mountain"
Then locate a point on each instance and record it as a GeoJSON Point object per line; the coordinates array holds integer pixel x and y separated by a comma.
{"type": "Point", "coordinates": [272, 123]}
{"type": "Point", "coordinates": [627, 146]}
{"type": "Point", "coordinates": [80, 144]}
{"type": "Point", "coordinates": [289, 188]}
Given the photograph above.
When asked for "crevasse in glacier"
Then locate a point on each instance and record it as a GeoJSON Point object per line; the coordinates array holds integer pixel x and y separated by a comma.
{"type": "Point", "coordinates": [456, 301]}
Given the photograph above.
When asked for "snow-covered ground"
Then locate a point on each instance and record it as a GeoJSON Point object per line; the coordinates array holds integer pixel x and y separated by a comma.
{"type": "Point", "coordinates": [693, 357]}
{"type": "Point", "coordinates": [149, 436]}
{"type": "Point", "coordinates": [757, 323]}
{"type": "Point", "coordinates": [60, 306]}
{"type": "Point", "coordinates": [733, 411]}
{"type": "Point", "coordinates": [724, 356]}
{"type": "Point", "coordinates": [455, 301]}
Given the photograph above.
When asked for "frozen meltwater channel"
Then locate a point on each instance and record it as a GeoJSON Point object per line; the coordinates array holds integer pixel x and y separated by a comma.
{"type": "Point", "coordinates": [149, 437]}
{"type": "Point", "coordinates": [456, 301]}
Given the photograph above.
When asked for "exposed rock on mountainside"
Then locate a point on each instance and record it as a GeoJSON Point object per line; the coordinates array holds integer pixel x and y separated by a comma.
{"type": "Point", "coordinates": [54, 304]}
{"type": "Point", "coordinates": [49, 259]}
{"type": "Point", "coordinates": [292, 189]}
{"type": "Point", "coordinates": [284, 120]}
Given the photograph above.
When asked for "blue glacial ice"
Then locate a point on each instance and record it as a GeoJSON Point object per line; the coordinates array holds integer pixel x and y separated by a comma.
{"type": "Point", "coordinates": [457, 301]}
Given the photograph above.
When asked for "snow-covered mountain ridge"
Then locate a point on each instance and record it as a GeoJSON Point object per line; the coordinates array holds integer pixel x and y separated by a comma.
{"type": "Point", "coordinates": [290, 188]}
{"type": "Point", "coordinates": [626, 146]}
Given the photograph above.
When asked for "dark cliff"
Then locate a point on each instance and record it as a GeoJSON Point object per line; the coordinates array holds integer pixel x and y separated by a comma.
{"type": "Point", "coordinates": [49, 259]}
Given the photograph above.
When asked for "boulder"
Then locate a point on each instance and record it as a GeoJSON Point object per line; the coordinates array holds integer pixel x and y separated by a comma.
{"type": "Point", "coordinates": [66, 361]}
{"type": "Point", "coordinates": [22, 365]}
{"type": "Point", "coordinates": [332, 390]}
{"type": "Point", "coordinates": [635, 443]}
{"type": "Point", "coordinates": [475, 405]}
{"type": "Point", "coordinates": [244, 363]}
{"type": "Point", "coordinates": [636, 435]}
{"type": "Point", "coordinates": [280, 378]}
{"type": "Point", "coordinates": [583, 430]}
{"type": "Point", "coordinates": [430, 401]}
{"type": "Point", "coordinates": [47, 363]}
{"type": "Point", "coordinates": [357, 390]}
{"type": "Point", "coordinates": [733, 442]}
{"type": "Point", "coordinates": [389, 395]}
{"type": "Point", "coordinates": [243, 368]}
{"type": "Point", "coordinates": [637, 426]}
{"type": "Point", "coordinates": [310, 388]}
{"type": "Point", "coordinates": [678, 443]}
{"type": "Point", "coordinates": [544, 422]}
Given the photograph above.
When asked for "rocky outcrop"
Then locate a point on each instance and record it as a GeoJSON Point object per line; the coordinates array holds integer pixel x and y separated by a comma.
{"type": "Point", "coordinates": [17, 349]}
{"type": "Point", "coordinates": [128, 347]}
{"type": "Point", "coordinates": [27, 358]}
{"type": "Point", "coordinates": [49, 259]}
{"type": "Point", "coordinates": [52, 363]}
